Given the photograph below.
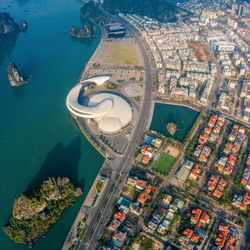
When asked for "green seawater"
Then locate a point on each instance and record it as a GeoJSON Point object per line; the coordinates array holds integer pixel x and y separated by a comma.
{"type": "Point", "coordinates": [38, 137]}
{"type": "Point", "coordinates": [183, 117]}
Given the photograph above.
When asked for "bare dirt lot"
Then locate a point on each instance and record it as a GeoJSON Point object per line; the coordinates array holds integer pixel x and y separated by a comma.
{"type": "Point", "coordinates": [199, 51]}
{"type": "Point", "coordinates": [172, 151]}
{"type": "Point", "coordinates": [121, 52]}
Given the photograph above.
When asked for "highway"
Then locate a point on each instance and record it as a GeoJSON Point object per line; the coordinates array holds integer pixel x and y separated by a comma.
{"type": "Point", "coordinates": [123, 164]}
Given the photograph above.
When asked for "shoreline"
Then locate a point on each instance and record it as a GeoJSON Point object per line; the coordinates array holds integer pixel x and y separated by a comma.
{"type": "Point", "coordinates": [80, 213]}
{"type": "Point", "coordinates": [179, 104]}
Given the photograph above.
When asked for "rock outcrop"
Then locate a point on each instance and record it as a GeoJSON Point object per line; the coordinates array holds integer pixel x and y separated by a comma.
{"type": "Point", "coordinates": [14, 76]}
{"type": "Point", "coordinates": [87, 30]}
{"type": "Point", "coordinates": [8, 25]}
{"type": "Point", "coordinates": [34, 211]}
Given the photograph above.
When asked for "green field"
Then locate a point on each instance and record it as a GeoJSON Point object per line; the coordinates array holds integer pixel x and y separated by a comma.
{"type": "Point", "coordinates": [121, 54]}
{"type": "Point", "coordinates": [164, 164]}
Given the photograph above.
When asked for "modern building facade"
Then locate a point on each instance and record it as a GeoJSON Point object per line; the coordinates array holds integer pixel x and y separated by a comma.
{"type": "Point", "coordinates": [109, 110]}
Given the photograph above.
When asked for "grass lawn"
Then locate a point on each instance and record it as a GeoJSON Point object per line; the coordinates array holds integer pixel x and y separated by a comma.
{"type": "Point", "coordinates": [164, 163]}
{"type": "Point", "coordinates": [99, 185]}
{"type": "Point", "coordinates": [121, 54]}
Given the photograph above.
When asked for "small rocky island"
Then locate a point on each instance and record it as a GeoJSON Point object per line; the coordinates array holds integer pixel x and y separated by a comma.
{"type": "Point", "coordinates": [9, 26]}
{"type": "Point", "coordinates": [87, 30]}
{"type": "Point", "coordinates": [89, 15]}
{"type": "Point", "coordinates": [171, 128]}
{"type": "Point", "coordinates": [14, 76]}
{"type": "Point", "coordinates": [36, 210]}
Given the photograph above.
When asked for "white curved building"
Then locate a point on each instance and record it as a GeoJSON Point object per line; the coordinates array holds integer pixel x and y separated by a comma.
{"type": "Point", "coordinates": [109, 110]}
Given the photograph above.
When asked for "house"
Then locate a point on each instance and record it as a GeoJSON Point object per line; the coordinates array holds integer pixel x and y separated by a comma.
{"type": "Point", "coordinates": [157, 215]}
{"type": "Point", "coordinates": [170, 216]}
{"type": "Point", "coordinates": [143, 197]}
{"type": "Point", "coordinates": [194, 175]}
{"type": "Point", "coordinates": [161, 229]}
{"type": "Point", "coordinates": [188, 232]}
{"type": "Point", "coordinates": [173, 208]}
{"type": "Point", "coordinates": [195, 238]}
{"type": "Point", "coordinates": [179, 203]}
{"type": "Point", "coordinates": [144, 150]}
{"type": "Point", "coordinates": [217, 193]}
{"type": "Point", "coordinates": [208, 130]}
{"type": "Point", "coordinates": [212, 121]}
{"type": "Point", "coordinates": [140, 184]}
{"type": "Point", "coordinates": [202, 158]}
{"type": "Point", "coordinates": [195, 215]}
{"type": "Point", "coordinates": [120, 236]}
{"type": "Point", "coordinates": [132, 181]}
{"type": "Point", "coordinates": [157, 142]}
{"type": "Point", "coordinates": [119, 216]}
{"type": "Point", "coordinates": [153, 224]}
{"type": "Point", "coordinates": [148, 189]}
{"type": "Point", "coordinates": [203, 138]}
{"type": "Point", "coordinates": [145, 159]}
{"type": "Point", "coordinates": [124, 205]}
{"type": "Point", "coordinates": [167, 199]}
{"type": "Point", "coordinates": [204, 219]}
{"type": "Point", "coordinates": [135, 208]}
{"type": "Point", "coordinates": [114, 225]}
{"type": "Point", "coordinates": [211, 185]}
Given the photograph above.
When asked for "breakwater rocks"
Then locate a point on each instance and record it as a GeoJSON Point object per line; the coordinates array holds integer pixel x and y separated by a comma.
{"type": "Point", "coordinates": [14, 76]}
{"type": "Point", "coordinates": [37, 209]}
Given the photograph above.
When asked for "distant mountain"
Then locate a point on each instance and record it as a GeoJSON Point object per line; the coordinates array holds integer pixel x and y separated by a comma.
{"type": "Point", "coordinates": [162, 10]}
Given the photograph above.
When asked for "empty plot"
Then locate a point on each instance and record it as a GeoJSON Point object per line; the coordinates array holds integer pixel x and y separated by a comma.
{"type": "Point", "coordinates": [121, 54]}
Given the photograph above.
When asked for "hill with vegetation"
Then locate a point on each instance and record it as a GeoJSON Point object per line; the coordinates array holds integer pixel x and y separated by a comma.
{"type": "Point", "coordinates": [36, 210]}
{"type": "Point", "coordinates": [162, 10]}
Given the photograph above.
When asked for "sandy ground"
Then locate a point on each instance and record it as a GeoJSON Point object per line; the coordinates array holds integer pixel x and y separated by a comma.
{"type": "Point", "coordinates": [172, 151]}
{"type": "Point", "coordinates": [200, 51]}
{"type": "Point", "coordinates": [133, 90]}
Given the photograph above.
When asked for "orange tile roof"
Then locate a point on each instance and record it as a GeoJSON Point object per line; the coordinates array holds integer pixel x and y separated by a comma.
{"type": "Point", "coordinates": [208, 130]}
{"type": "Point", "coordinates": [196, 213]}
{"type": "Point", "coordinates": [222, 182]}
{"type": "Point", "coordinates": [220, 241]}
{"type": "Point", "coordinates": [243, 206]}
{"type": "Point", "coordinates": [204, 218]}
{"type": "Point", "coordinates": [217, 193]}
{"type": "Point", "coordinates": [195, 238]}
{"type": "Point", "coordinates": [143, 149]}
{"type": "Point", "coordinates": [188, 232]}
{"type": "Point", "coordinates": [223, 227]}
{"type": "Point", "coordinates": [243, 181]}
{"type": "Point", "coordinates": [148, 189]}
{"type": "Point", "coordinates": [231, 239]}
{"type": "Point", "coordinates": [198, 224]}
{"type": "Point", "coordinates": [246, 198]}
{"type": "Point", "coordinates": [213, 120]}
{"type": "Point", "coordinates": [145, 159]}
{"type": "Point", "coordinates": [143, 197]}
{"type": "Point", "coordinates": [120, 216]}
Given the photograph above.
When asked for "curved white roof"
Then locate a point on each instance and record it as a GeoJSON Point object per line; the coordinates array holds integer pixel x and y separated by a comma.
{"type": "Point", "coordinates": [110, 124]}
{"type": "Point", "coordinates": [109, 110]}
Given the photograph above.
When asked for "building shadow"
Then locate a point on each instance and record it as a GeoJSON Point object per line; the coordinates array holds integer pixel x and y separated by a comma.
{"type": "Point", "coordinates": [61, 161]}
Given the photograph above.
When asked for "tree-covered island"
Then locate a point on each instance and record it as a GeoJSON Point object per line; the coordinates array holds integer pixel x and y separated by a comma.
{"type": "Point", "coordinates": [37, 209]}
{"type": "Point", "coordinates": [89, 15]}
{"type": "Point", "coordinates": [171, 128]}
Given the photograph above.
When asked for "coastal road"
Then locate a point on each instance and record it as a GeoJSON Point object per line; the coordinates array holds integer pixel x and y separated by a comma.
{"type": "Point", "coordinates": [124, 163]}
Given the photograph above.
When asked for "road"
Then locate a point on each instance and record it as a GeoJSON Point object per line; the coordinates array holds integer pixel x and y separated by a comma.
{"type": "Point", "coordinates": [123, 164]}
